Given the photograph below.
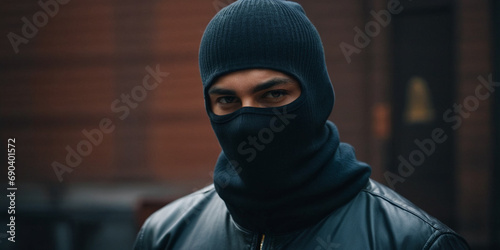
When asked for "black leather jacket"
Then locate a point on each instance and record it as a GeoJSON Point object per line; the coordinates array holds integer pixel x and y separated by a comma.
{"type": "Point", "coordinates": [377, 218]}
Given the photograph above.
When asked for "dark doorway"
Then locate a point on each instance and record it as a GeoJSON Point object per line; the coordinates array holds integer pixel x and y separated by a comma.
{"type": "Point", "coordinates": [423, 89]}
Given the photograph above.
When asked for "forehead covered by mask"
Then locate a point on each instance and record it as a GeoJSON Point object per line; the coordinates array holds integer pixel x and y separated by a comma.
{"type": "Point", "coordinates": [270, 34]}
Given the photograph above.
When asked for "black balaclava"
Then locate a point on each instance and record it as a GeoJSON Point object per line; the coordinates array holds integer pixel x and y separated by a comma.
{"type": "Point", "coordinates": [280, 169]}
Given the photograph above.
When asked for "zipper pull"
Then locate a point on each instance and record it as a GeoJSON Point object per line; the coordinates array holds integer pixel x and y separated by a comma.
{"type": "Point", "coordinates": [262, 241]}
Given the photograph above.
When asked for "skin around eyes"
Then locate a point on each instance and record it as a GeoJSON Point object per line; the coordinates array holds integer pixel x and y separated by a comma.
{"type": "Point", "coordinates": [260, 88]}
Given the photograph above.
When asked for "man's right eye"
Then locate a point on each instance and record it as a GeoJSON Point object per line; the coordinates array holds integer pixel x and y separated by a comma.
{"type": "Point", "coordinates": [226, 99]}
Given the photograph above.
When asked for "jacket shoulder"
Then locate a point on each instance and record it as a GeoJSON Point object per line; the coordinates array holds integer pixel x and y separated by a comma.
{"type": "Point", "coordinates": [162, 225]}
{"type": "Point", "coordinates": [402, 214]}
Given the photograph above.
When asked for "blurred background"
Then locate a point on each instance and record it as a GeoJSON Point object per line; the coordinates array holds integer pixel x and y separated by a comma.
{"type": "Point", "coordinates": [104, 100]}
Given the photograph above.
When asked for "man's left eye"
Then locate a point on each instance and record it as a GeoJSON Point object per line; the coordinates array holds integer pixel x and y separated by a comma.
{"type": "Point", "coordinates": [275, 93]}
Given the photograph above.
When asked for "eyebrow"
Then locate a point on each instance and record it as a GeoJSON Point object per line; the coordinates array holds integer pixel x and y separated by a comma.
{"type": "Point", "coordinates": [271, 83]}
{"type": "Point", "coordinates": [262, 86]}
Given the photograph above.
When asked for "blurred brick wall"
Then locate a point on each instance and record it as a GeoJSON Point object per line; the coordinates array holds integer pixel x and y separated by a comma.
{"type": "Point", "coordinates": [66, 78]}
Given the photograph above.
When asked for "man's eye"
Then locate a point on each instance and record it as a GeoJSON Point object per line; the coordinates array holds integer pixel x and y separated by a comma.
{"type": "Point", "coordinates": [275, 93]}
{"type": "Point", "coordinates": [226, 99]}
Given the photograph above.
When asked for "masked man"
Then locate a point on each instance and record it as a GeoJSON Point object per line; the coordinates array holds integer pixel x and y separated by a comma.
{"type": "Point", "coordinates": [283, 180]}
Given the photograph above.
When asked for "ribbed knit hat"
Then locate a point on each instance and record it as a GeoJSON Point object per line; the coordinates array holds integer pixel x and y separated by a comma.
{"type": "Point", "coordinates": [268, 34]}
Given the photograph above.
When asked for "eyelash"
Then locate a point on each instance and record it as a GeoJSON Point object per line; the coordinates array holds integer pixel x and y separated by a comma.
{"type": "Point", "coordinates": [219, 100]}
{"type": "Point", "coordinates": [282, 92]}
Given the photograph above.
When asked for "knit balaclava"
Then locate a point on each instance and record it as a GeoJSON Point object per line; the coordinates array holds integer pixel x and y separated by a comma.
{"type": "Point", "coordinates": [282, 168]}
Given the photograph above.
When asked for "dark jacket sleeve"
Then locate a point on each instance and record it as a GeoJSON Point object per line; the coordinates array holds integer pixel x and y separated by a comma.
{"type": "Point", "coordinates": [447, 241]}
{"type": "Point", "coordinates": [139, 241]}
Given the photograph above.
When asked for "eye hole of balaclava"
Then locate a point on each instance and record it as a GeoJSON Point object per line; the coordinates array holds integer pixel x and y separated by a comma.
{"type": "Point", "coordinates": [257, 88]}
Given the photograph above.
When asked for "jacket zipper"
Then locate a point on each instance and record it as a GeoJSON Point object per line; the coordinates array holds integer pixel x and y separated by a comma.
{"type": "Point", "coordinates": [262, 241]}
